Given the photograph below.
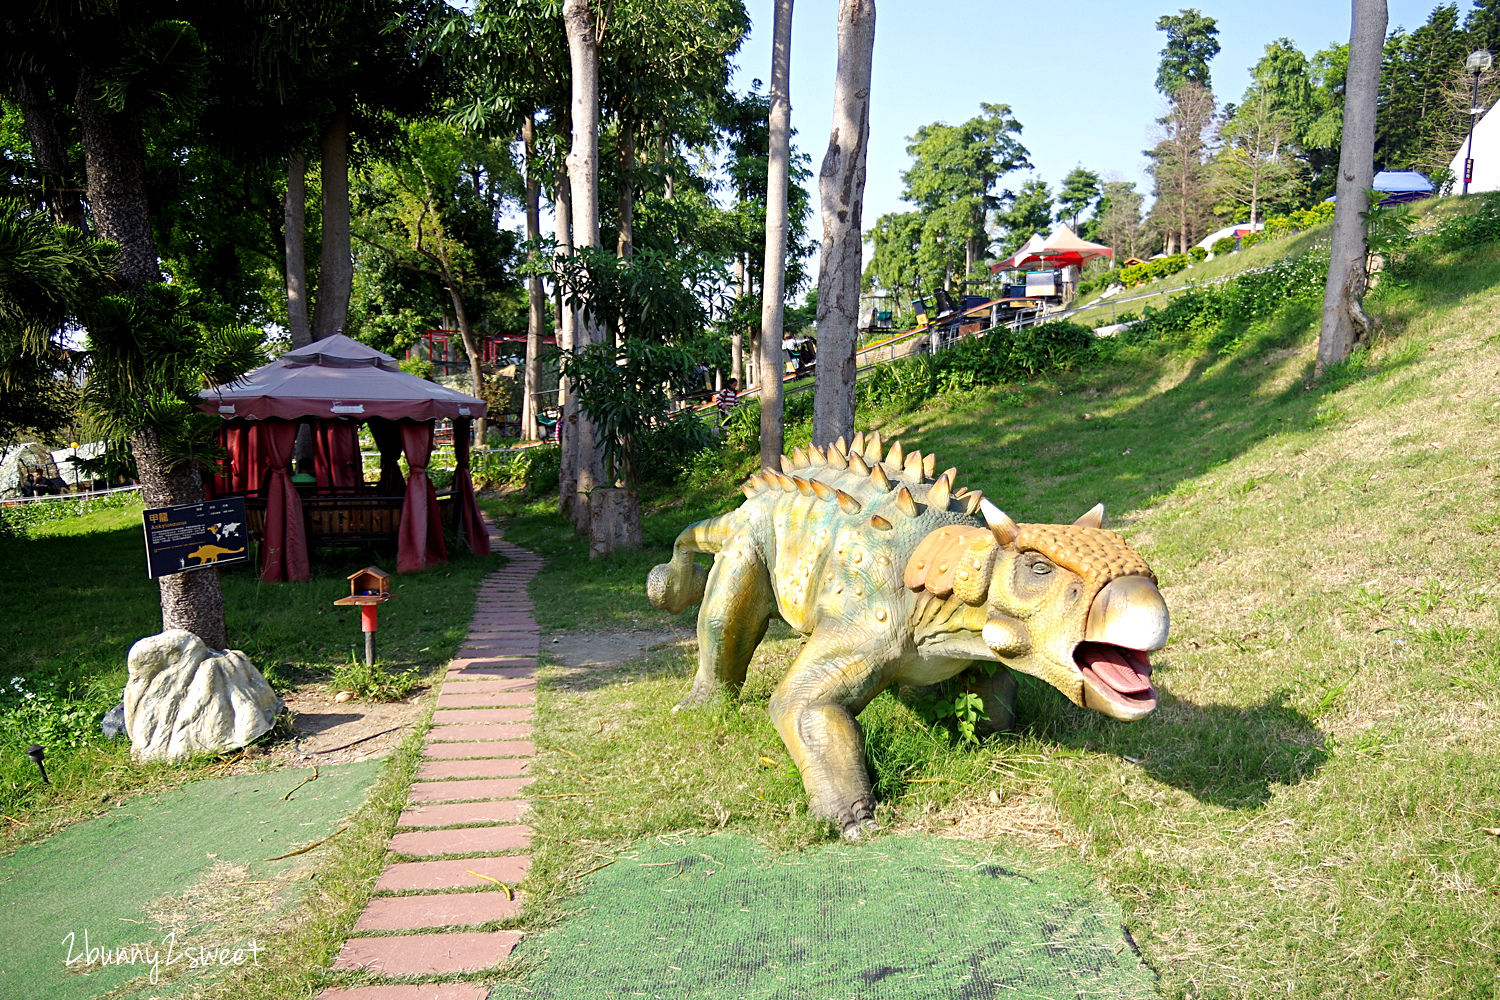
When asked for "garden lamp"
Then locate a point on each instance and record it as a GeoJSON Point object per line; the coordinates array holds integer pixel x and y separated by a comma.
{"type": "Point", "coordinates": [1479, 60]}
{"type": "Point", "coordinates": [36, 753]}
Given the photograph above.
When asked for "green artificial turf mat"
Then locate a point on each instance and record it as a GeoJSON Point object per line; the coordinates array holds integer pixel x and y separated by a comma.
{"type": "Point", "coordinates": [189, 858]}
{"type": "Point", "coordinates": [899, 917]}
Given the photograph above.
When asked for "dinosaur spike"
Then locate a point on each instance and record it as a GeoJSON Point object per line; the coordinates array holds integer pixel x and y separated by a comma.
{"type": "Point", "coordinates": [1001, 526]}
{"type": "Point", "coordinates": [837, 459]}
{"type": "Point", "coordinates": [857, 446]}
{"type": "Point", "coordinates": [850, 505]}
{"type": "Point", "coordinates": [857, 464]}
{"type": "Point", "coordinates": [937, 496]}
{"type": "Point", "coordinates": [804, 486]}
{"type": "Point", "coordinates": [1093, 519]}
{"type": "Point", "coordinates": [815, 456]}
{"type": "Point", "coordinates": [787, 483]}
{"type": "Point", "coordinates": [972, 502]}
{"type": "Point", "coordinates": [911, 471]}
{"type": "Point", "coordinates": [823, 490]}
{"type": "Point", "coordinates": [897, 456]}
{"type": "Point", "coordinates": [799, 458]}
{"type": "Point", "coordinates": [747, 489]}
{"type": "Point", "coordinates": [929, 465]}
{"type": "Point", "coordinates": [786, 463]}
{"type": "Point", "coordinates": [756, 482]}
{"type": "Point", "coordinates": [881, 523]}
{"type": "Point", "coordinates": [879, 478]}
{"type": "Point", "coordinates": [960, 493]}
{"type": "Point", "coordinates": [952, 475]}
{"type": "Point", "coordinates": [905, 502]}
{"type": "Point", "coordinates": [841, 446]}
{"type": "Point", "coordinates": [873, 447]}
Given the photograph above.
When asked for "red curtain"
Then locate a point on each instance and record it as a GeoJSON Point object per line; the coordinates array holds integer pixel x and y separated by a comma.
{"type": "Point", "coordinates": [233, 473]}
{"type": "Point", "coordinates": [284, 547]}
{"type": "Point", "coordinates": [469, 523]}
{"type": "Point", "coordinates": [387, 434]}
{"type": "Point", "coordinates": [421, 537]}
{"type": "Point", "coordinates": [336, 459]}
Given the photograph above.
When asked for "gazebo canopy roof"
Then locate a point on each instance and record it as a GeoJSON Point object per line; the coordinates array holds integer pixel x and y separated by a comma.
{"type": "Point", "coordinates": [337, 377]}
{"type": "Point", "coordinates": [1063, 247]}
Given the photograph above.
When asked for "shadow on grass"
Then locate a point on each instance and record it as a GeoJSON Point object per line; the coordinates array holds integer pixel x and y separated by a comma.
{"type": "Point", "coordinates": [1224, 755]}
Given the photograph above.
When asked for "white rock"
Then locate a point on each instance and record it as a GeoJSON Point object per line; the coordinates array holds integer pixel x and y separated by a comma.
{"type": "Point", "coordinates": [184, 698]}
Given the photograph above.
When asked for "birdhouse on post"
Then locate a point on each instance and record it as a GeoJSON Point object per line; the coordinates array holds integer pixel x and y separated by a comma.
{"type": "Point", "coordinates": [368, 588]}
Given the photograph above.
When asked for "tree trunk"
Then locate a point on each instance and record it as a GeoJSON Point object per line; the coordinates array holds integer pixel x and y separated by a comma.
{"type": "Point", "coordinates": [737, 334]}
{"type": "Point", "coordinates": [49, 151]}
{"type": "Point", "coordinates": [471, 349]}
{"type": "Point", "coordinates": [583, 177]}
{"type": "Point", "coordinates": [625, 193]}
{"type": "Point", "coordinates": [193, 600]}
{"type": "Point", "coordinates": [296, 249]}
{"type": "Point", "coordinates": [535, 299]}
{"type": "Point", "coordinates": [773, 281]}
{"type": "Point", "coordinates": [114, 160]}
{"type": "Point", "coordinates": [1345, 325]}
{"type": "Point", "coordinates": [336, 262]}
{"type": "Point", "coordinates": [614, 521]}
{"type": "Point", "coordinates": [566, 323]}
{"type": "Point", "coordinates": [841, 188]}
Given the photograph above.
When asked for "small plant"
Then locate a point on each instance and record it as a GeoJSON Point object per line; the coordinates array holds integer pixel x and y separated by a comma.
{"type": "Point", "coordinates": [372, 682]}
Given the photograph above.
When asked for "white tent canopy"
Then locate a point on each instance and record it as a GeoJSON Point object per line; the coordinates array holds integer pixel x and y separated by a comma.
{"type": "Point", "coordinates": [1486, 156]}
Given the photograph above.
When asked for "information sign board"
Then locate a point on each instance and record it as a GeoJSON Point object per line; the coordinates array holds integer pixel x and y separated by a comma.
{"type": "Point", "coordinates": [195, 536]}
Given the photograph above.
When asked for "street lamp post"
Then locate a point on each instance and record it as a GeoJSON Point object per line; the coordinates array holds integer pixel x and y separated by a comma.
{"type": "Point", "coordinates": [1479, 60]}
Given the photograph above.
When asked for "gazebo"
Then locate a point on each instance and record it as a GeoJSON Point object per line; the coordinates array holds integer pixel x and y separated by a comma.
{"type": "Point", "coordinates": [333, 385]}
{"type": "Point", "coordinates": [1063, 248]}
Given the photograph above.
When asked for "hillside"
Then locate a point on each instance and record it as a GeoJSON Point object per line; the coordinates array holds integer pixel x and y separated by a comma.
{"type": "Point", "coordinates": [1313, 809]}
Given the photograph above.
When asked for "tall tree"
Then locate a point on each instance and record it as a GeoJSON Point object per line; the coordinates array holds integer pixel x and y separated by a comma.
{"type": "Point", "coordinates": [1253, 162]}
{"type": "Point", "coordinates": [1345, 324]}
{"type": "Point", "coordinates": [1117, 222]}
{"type": "Point", "coordinates": [1080, 191]}
{"type": "Point", "coordinates": [841, 188]}
{"type": "Point", "coordinates": [583, 182]}
{"type": "Point", "coordinates": [1028, 214]}
{"type": "Point", "coordinates": [773, 289]}
{"type": "Point", "coordinates": [1179, 165]}
{"type": "Point", "coordinates": [1192, 41]}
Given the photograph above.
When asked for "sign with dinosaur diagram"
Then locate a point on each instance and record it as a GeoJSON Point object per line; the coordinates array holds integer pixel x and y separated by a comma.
{"type": "Point", "coordinates": [195, 536]}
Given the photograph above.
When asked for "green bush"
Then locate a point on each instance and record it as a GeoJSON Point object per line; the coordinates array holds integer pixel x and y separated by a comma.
{"type": "Point", "coordinates": [1249, 240]}
{"type": "Point", "coordinates": [1223, 245]}
{"type": "Point", "coordinates": [1198, 254]}
{"type": "Point", "coordinates": [533, 471]}
{"type": "Point", "coordinates": [372, 682]}
{"type": "Point", "coordinates": [21, 520]}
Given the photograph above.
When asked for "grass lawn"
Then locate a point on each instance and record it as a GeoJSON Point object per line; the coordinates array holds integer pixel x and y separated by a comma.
{"type": "Point", "coordinates": [1313, 809]}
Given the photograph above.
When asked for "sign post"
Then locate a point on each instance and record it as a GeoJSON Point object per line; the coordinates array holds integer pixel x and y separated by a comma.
{"type": "Point", "coordinates": [195, 536]}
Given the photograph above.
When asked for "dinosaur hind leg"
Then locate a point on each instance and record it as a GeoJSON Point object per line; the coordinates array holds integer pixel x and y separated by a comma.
{"type": "Point", "coordinates": [731, 622]}
{"type": "Point", "coordinates": [813, 709]}
{"type": "Point", "coordinates": [676, 585]}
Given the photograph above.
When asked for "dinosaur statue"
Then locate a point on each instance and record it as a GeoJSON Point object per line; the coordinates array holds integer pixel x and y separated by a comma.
{"type": "Point", "coordinates": [896, 577]}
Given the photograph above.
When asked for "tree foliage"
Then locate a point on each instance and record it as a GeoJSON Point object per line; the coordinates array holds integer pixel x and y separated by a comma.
{"type": "Point", "coordinates": [1192, 42]}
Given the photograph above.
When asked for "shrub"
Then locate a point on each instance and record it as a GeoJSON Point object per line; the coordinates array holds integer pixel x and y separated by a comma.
{"type": "Point", "coordinates": [1249, 240]}
{"type": "Point", "coordinates": [1223, 245]}
{"type": "Point", "coordinates": [22, 519]}
{"type": "Point", "coordinates": [533, 471]}
{"type": "Point", "coordinates": [1198, 254]}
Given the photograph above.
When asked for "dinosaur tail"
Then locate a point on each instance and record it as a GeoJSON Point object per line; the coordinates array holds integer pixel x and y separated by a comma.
{"type": "Point", "coordinates": [673, 586]}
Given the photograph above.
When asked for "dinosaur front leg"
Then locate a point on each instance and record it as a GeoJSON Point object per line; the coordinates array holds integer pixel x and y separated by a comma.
{"type": "Point", "coordinates": [813, 709]}
{"type": "Point", "coordinates": [732, 620]}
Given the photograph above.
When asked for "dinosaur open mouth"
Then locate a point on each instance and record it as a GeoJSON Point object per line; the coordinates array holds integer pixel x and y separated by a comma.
{"type": "Point", "coordinates": [1116, 680]}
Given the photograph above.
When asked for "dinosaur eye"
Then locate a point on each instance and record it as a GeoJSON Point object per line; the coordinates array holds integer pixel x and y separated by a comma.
{"type": "Point", "coordinates": [1041, 567]}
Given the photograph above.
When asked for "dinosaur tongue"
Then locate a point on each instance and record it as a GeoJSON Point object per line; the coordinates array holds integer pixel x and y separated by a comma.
{"type": "Point", "coordinates": [1114, 667]}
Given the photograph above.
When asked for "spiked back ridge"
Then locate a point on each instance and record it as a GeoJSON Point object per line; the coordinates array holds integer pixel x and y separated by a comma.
{"type": "Point", "coordinates": [810, 470]}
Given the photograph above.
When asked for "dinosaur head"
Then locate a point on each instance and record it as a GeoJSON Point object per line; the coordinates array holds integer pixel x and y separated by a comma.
{"type": "Point", "coordinates": [1071, 604]}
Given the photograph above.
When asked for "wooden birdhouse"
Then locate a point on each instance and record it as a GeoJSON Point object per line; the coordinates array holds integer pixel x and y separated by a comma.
{"type": "Point", "coordinates": [371, 585]}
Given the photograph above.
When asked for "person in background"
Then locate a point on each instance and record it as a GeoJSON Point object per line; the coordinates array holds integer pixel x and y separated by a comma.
{"type": "Point", "coordinates": [788, 352]}
{"type": "Point", "coordinates": [727, 399]}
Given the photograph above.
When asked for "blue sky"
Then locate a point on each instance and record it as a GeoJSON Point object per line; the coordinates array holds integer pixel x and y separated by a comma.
{"type": "Point", "coordinates": [1078, 76]}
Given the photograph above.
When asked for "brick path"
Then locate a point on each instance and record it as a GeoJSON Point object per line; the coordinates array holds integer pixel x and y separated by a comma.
{"type": "Point", "coordinates": [463, 827]}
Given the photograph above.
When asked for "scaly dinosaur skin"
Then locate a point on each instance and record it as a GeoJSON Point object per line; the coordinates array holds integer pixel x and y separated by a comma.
{"type": "Point", "coordinates": [895, 578]}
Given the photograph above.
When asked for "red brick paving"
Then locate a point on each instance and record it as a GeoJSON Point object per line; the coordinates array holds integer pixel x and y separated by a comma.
{"type": "Point", "coordinates": [478, 748]}
{"type": "Point", "coordinates": [430, 991]}
{"type": "Point", "coordinates": [454, 813]}
{"type": "Point", "coordinates": [463, 873]}
{"type": "Point", "coordinates": [456, 791]}
{"type": "Point", "coordinates": [467, 840]}
{"type": "Point", "coordinates": [428, 954]}
{"type": "Point", "coordinates": [493, 748]}
{"type": "Point", "coordinates": [504, 767]}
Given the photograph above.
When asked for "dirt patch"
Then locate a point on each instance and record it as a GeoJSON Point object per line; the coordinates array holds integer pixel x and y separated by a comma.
{"type": "Point", "coordinates": [602, 649]}
{"type": "Point", "coordinates": [331, 732]}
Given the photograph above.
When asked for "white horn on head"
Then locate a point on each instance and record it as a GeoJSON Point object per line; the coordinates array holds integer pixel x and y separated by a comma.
{"type": "Point", "coordinates": [1093, 519]}
{"type": "Point", "coordinates": [999, 522]}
